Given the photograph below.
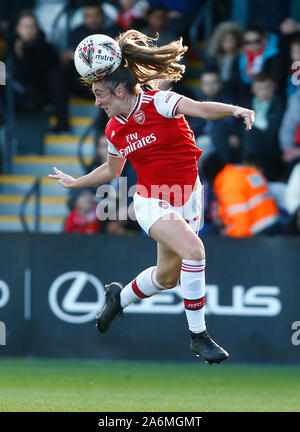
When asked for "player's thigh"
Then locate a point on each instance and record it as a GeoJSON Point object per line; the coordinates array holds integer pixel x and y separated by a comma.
{"type": "Point", "coordinates": [175, 234]}
{"type": "Point", "coordinates": [168, 266]}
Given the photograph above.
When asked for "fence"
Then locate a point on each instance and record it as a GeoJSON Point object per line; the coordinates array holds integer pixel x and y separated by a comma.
{"type": "Point", "coordinates": [52, 286]}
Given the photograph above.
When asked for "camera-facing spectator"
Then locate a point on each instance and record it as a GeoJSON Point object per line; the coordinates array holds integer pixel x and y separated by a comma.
{"type": "Point", "coordinates": [180, 13]}
{"type": "Point", "coordinates": [212, 135]}
{"type": "Point", "coordinates": [83, 217]}
{"type": "Point", "coordinates": [33, 61]}
{"type": "Point", "coordinates": [262, 140]}
{"type": "Point", "coordinates": [157, 18]}
{"type": "Point", "coordinates": [261, 53]}
{"type": "Point", "coordinates": [224, 49]}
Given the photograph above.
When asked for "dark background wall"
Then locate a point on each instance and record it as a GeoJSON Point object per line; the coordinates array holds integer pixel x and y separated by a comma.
{"type": "Point", "coordinates": [56, 286]}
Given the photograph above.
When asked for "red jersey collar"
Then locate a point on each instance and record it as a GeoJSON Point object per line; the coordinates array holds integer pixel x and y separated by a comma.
{"type": "Point", "coordinates": [137, 104]}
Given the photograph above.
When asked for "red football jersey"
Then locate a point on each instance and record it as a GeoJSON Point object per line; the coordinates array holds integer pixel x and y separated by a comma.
{"type": "Point", "coordinates": [159, 144]}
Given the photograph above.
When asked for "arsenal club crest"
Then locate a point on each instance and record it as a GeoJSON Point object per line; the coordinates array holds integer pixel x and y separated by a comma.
{"type": "Point", "coordinates": [163, 205]}
{"type": "Point", "coordinates": [139, 116]}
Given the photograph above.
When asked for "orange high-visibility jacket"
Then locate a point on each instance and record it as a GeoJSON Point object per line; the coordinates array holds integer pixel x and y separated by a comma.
{"type": "Point", "coordinates": [245, 204]}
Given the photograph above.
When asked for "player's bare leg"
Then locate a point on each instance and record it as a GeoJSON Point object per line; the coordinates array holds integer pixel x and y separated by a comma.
{"type": "Point", "coordinates": [175, 236]}
{"type": "Point", "coordinates": [149, 282]}
{"type": "Point", "coordinates": [168, 267]}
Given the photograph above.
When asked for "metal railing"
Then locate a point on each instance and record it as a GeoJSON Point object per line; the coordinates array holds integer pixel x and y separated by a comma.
{"type": "Point", "coordinates": [92, 127]}
{"type": "Point", "coordinates": [9, 119]}
{"type": "Point", "coordinates": [35, 190]}
{"type": "Point", "coordinates": [205, 18]}
{"type": "Point", "coordinates": [67, 12]}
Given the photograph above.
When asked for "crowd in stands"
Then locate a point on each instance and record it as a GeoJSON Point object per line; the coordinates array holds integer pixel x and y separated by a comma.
{"type": "Point", "coordinates": [251, 179]}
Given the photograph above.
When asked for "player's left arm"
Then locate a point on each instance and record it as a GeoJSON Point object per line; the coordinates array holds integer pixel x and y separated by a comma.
{"type": "Point", "coordinates": [214, 111]}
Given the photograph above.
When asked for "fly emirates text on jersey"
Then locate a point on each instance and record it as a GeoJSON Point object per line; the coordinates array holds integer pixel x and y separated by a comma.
{"type": "Point", "coordinates": [137, 143]}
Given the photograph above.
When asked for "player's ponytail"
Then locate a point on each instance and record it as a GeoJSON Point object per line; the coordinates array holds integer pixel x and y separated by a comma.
{"type": "Point", "coordinates": [148, 62]}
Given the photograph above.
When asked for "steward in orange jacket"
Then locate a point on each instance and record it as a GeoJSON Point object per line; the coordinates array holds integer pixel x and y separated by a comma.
{"type": "Point", "coordinates": [245, 205]}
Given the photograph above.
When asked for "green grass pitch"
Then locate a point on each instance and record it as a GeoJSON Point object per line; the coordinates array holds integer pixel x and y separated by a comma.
{"type": "Point", "coordinates": [76, 385]}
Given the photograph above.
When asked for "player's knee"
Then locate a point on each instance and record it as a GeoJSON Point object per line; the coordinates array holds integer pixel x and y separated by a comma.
{"type": "Point", "coordinates": [196, 253]}
{"type": "Point", "coordinates": [166, 282]}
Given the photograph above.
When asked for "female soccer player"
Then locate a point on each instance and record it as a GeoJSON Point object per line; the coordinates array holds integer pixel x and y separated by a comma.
{"type": "Point", "coordinates": [149, 128]}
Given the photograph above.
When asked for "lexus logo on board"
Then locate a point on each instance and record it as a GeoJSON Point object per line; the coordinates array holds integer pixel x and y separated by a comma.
{"type": "Point", "coordinates": [67, 306]}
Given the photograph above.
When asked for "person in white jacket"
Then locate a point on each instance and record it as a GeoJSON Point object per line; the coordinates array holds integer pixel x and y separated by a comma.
{"type": "Point", "coordinates": [290, 122]}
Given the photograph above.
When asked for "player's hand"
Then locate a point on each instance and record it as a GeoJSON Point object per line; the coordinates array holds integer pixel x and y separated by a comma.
{"type": "Point", "coordinates": [246, 114]}
{"type": "Point", "coordinates": [64, 179]}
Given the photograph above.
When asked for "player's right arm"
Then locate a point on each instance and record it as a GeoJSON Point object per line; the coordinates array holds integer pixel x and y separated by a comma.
{"type": "Point", "coordinates": [106, 172]}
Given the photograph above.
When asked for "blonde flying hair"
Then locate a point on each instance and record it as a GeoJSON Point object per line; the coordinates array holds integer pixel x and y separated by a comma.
{"type": "Point", "coordinates": [149, 62]}
{"type": "Point", "coordinates": [145, 63]}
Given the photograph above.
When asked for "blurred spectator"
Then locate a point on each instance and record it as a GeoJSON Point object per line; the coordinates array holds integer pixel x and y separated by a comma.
{"type": "Point", "coordinates": [93, 22]}
{"type": "Point", "coordinates": [292, 190]}
{"type": "Point", "coordinates": [224, 48]}
{"type": "Point", "coordinates": [65, 78]}
{"type": "Point", "coordinates": [291, 24]}
{"type": "Point", "coordinates": [130, 10]}
{"type": "Point", "coordinates": [289, 132]}
{"type": "Point", "coordinates": [293, 78]}
{"type": "Point", "coordinates": [122, 185]}
{"type": "Point", "coordinates": [261, 53]}
{"type": "Point", "coordinates": [156, 23]}
{"type": "Point", "coordinates": [215, 135]}
{"type": "Point", "coordinates": [262, 140]}
{"type": "Point", "coordinates": [180, 13]}
{"type": "Point", "coordinates": [83, 218]}
{"type": "Point", "coordinates": [293, 227]}
{"type": "Point", "coordinates": [245, 205]}
{"type": "Point", "coordinates": [100, 153]}
{"type": "Point", "coordinates": [33, 61]}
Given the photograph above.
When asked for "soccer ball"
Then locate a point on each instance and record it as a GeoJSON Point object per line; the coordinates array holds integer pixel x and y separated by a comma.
{"type": "Point", "coordinates": [96, 56]}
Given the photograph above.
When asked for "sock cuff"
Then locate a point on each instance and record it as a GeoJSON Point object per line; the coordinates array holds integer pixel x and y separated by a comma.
{"type": "Point", "coordinates": [194, 262]}
{"type": "Point", "coordinates": [192, 266]}
{"type": "Point", "coordinates": [154, 281]}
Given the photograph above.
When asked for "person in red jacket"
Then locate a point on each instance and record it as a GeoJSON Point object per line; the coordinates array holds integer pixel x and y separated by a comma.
{"type": "Point", "coordinates": [83, 218]}
{"type": "Point", "coordinates": [149, 128]}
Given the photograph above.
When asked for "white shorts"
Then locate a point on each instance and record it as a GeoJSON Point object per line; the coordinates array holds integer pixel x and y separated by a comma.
{"type": "Point", "coordinates": [149, 210]}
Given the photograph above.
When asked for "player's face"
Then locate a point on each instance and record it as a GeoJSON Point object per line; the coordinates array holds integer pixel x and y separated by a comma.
{"type": "Point", "coordinates": [106, 99]}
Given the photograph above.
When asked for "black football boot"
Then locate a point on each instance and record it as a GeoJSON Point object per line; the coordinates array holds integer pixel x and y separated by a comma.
{"type": "Point", "coordinates": [203, 346]}
{"type": "Point", "coordinates": [112, 307]}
